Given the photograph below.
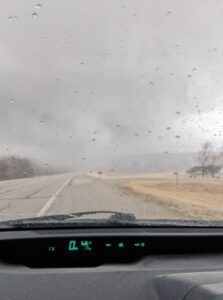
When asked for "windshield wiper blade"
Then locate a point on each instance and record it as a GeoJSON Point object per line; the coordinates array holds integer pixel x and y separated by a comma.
{"type": "Point", "coordinates": [62, 219]}
{"type": "Point", "coordinates": [115, 215]}
{"type": "Point", "coordinates": [116, 219]}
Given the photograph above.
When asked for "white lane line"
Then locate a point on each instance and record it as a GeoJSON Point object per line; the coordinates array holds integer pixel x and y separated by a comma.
{"type": "Point", "coordinates": [52, 199]}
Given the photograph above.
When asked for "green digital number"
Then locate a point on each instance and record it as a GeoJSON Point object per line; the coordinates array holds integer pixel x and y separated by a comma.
{"type": "Point", "coordinates": [139, 244]}
{"type": "Point", "coordinates": [86, 245]}
{"type": "Point", "coordinates": [121, 245]}
{"type": "Point", "coordinates": [73, 246]}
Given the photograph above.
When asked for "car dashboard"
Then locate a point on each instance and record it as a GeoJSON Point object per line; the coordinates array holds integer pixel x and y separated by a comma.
{"type": "Point", "coordinates": [112, 263]}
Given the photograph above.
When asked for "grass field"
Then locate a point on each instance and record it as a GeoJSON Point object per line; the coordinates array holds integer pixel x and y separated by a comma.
{"type": "Point", "coordinates": [195, 198]}
{"type": "Point", "coordinates": [192, 198]}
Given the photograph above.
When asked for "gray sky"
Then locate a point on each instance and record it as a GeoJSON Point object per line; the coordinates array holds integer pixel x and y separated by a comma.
{"type": "Point", "coordinates": [102, 79]}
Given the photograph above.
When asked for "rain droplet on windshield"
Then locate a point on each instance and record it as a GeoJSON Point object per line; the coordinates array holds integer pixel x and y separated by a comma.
{"type": "Point", "coordinates": [38, 5]}
{"type": "Point", "coordinates": [11, 100]}
{"type": "Point", "coordinates": [168, 128]}
{"type": "Point", "coordinates": [169, 13]}
{"type": "Point", "coordinates": [178, 137]}
{"type": "Point", "coordinates": [35, 15]}
{"type": "Point", "coordinates": [10, 18]}
{"type": "Point", "coordinates": [136, 134]}
{"type": "Point", "coordinates": [82, 63]}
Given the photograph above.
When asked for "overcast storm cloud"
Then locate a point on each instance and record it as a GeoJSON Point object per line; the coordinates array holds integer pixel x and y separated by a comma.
{"type": "Point", "coordinates": [85, 82]}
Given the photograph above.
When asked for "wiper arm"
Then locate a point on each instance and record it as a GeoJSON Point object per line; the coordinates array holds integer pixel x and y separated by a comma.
{"type": "Point", "coordinates": [62, 219]}
{"type": "Point", "coordinates": [115, 219]}
{"type": "Point", "coordinates": [115, 216]}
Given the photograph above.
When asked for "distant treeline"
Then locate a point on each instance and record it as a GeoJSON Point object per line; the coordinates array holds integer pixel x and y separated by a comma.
{"type": "Point", "coordinates": [13, 167]}
{"type": "Point", "coordinates": [210, 161]}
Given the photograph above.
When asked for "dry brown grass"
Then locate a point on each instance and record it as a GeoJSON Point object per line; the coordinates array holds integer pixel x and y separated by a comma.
{"type": "Point", "coordinates": [195, 198]}
{"type": "Point", "coordinates": [192, 198]}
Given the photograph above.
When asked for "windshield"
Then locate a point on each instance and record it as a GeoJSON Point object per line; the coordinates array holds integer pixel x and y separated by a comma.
{"type": "Point", "coordinates": [111, 106]}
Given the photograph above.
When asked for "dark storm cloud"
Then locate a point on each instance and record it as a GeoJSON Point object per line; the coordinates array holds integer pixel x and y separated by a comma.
{"type": "Point", "coordinates": [99, 79]}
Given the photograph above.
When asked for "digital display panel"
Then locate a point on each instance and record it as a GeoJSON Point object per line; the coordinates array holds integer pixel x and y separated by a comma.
{"type": "Point", "coordinates": [75, 251]}
{"type": "Point", "coordinates": [96, 246]}
{"type": "Point", "coordinates": [88, 245]}
{"type": "Point", "coordinates": [90, 251]}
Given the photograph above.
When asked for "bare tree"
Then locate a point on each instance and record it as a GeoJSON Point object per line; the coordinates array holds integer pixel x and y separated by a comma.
{"type": "Point", "coordinates": [3, 169]}
{"type": "Point", "coordinates": [205, 157]}
{"type": "Point", "coordinates": [220, 156]}
{"type": "Point", "coordinates": [217, 160]}
{"type": "Point", "coordinates": [12, 167]}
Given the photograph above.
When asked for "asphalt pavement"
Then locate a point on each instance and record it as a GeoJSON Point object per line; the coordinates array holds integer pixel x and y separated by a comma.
{"type": "Point", "coordinates": [69, 193]}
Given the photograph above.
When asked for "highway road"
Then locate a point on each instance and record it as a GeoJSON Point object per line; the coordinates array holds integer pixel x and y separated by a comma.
{"type": "Point", "coordinates": [67, 193]}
